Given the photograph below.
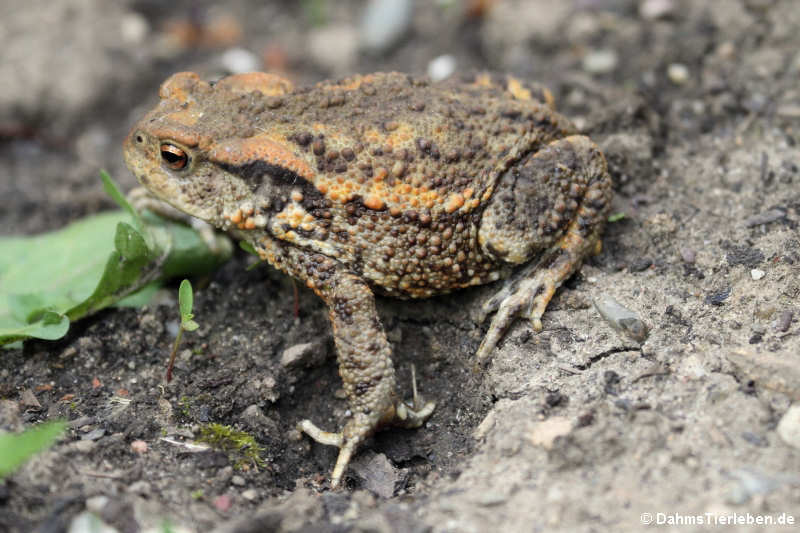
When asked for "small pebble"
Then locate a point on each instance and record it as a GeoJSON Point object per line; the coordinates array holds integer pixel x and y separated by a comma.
{"type": "Point", "coordinates": [80, 422]}
{"type": "Point", "coordinates": [95, 434]}
{"type": "Point", "coordinates": [238, 481]}
{"type": "Point", "coordinates": [441, 67]}
{"type": "Point", "coordinates": [689, 255]}
{"type": "Point", "coordinates": [377, 473]}
{"type": "Point", "coordinates": [139, 446]}
{"type": "Point", "coordinates": [789, 427]}
{"type": "Point", "coordinates": [656, 9]}
{"type": "Point", "coordinates": [384, 23]}
{"type": "Point", "coordinates": [96, 504]}
{"type": "Point", "coordinates": [600, 61]}
{"type": "Point", "coordinates": [238, 60]}
{"type": "Point", "coordinates": [29, 401]}
{"type": "Point", "coordinates": [764, 218]}
{"type": "Point", "coordinates": [678, 73]}
{"type": "Point", "coordinates": [250, 495]}
{"type": "Point", "coordinates": [490, 498]}
{"type": "Point", "coordinates": [297, 355]}
{"type": "Point", "coordinates": [755, 439]}
{"type": "Point", "coordinates": [757, 274]}
{"type": "Point", "coordinates": [640, 265]}
{"type": "Point", "coordinates": [621, 318]}
{"type": "Point", "coordinates": [133, 28]}
{"type": "Point", "coordinates": [784, 321]}
{"type": "Point", "coordinates": [718, 297]}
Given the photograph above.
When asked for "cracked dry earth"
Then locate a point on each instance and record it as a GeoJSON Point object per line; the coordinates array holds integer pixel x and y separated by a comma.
{"type": "Point", "coordinates": [576, 428]}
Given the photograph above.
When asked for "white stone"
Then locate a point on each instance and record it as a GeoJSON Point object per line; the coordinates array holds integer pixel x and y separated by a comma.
{"type": "Point", "coordinates": [600, 61]}
{"type": "Point", "coordinates": [441, 67]}
{"type": "Point", "coordinates": [296, 354]}
{"type": "Point", "coordinates": [384, 23]}
{"type": "Point", "coordinates": [655, 9]}
{"type": "Point", "coordinates": [789, 426]}
{"type": "Point", "coordinates": [133, 28]}
{"type": "Point", "coordinates": [238, 60]}
{"type": "Point", "coordinates": [678, 73]}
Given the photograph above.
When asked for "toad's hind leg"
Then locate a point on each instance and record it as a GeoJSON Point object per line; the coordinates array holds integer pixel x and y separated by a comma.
{"type": "Point", "coordinates": [552, 205]}
{"type": "Point", "coordinates": [365, 366]}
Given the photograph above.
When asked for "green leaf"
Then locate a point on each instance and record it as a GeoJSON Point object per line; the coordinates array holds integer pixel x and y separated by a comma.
{"type": "Point", "coordinates": [51, 326]}
{"type": "Point", "coordinates": [616, 217]}
{"type": "Point", "coordinates": [190, 325]}
{"type": "Point", "coordinates": [247, 247]}
{"type": "Point", "coordinates": [48, 280]}
{"type": "Point", "coordinates": [141, 297]}
{"type": "Point", "coordinates": [113, 191]}
{"type": "Point", "coordinates": [18, 448]}
{"type": "Point", "coordinates": [122, 275]}
{"type": "Point", "coordinates": [51, 272]}
{"type": "Point", "coordinates": [185, 298]}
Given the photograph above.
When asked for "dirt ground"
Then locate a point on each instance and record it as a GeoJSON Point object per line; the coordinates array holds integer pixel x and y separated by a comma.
{"type": "Point", "coordinates": [577, 428]}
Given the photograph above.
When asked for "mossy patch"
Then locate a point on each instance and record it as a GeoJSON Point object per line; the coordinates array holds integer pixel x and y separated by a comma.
{"type": "Point", "coordinates": [241, 447]}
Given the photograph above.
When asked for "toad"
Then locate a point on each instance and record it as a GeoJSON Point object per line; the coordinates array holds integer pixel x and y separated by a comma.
{"type": "Point", "coordinates": [382, 184]}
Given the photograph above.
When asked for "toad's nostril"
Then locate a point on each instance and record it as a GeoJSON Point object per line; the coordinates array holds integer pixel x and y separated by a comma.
{"type": "Point", "coordinates": [139, 139]}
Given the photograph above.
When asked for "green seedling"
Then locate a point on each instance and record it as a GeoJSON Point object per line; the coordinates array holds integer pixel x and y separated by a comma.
{"type": "Point", "coordinates": [185, 303]}
{"type": "Point", "coordinates": [616, 217]}
{"type": "Point", "coordinates": [186, 405]}
{"type": "Point", "coordinates": [18, 448]}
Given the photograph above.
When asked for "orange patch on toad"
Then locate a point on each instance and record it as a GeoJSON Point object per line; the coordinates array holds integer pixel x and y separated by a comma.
{"type": "Point", "coordinates": [483, 80]}
{"type": "Point", "coordinates": [177, 86]}
{"type": "Point", "coordinates": [268, 84]}
{"type": "Point", "coordinates": [454, 202]}
{"type": "Point", "coordinates": [373, 136]}
{"type": "Point", "coordinates": [373, 201]}
{"type": "Point", "coordinates": [350, 85]}
{"type": "Point", "coordinates": [261, 147]}
{"type": "Point", "coordinates": [401, 135]}
{"type": "Point", "coordinates": [517, 90]}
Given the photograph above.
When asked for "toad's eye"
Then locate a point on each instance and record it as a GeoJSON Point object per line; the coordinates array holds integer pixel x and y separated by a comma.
{"type": "Point", "coordinates": [174, 157]}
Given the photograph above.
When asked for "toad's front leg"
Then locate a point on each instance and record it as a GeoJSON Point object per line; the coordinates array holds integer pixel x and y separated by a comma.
{"type": "Point", "coordinates": [365, 366]}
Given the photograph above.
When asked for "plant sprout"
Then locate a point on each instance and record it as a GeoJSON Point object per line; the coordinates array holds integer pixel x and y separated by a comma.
{"type": "Point", "coordinates": [185, 303]}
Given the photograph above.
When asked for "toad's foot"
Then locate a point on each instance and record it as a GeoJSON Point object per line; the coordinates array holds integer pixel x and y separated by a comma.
{"type": "Point", "coordinates": [561, 194]}
{"type": "Point", "coordinates": [141, 199]}
{"type": "Point", "coordinates": [532, 288]}
{"type": "Point", "coordinates": [356, 431]}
